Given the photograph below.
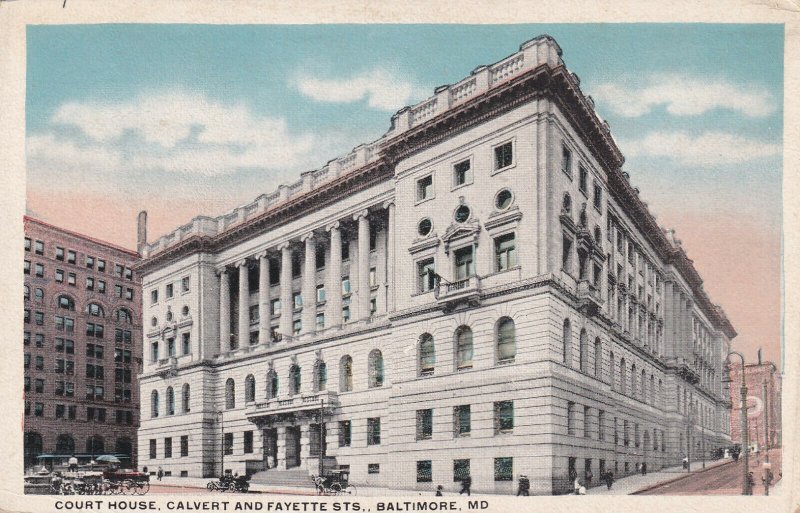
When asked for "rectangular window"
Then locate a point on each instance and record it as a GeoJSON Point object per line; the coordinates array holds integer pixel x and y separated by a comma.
{"type": "Point", "coordinates": [118, 290]}
{"type": "Point", "coordinates": [129, 294]}
{"type": "Point", "coordinates": [154, 351]}
{"type": "Point", "coordinates": [89, 283]}
{"type": "Point", "coordinates": [424, 424]}
{"type": "Point", "coordinates": [504, 417]}
{"type": "Point", "coordinates": [297, 300]}
{"type": "Point", "coordinates": [566, 160]}
{"type": "Point", "coordinates": [40, 271]}
{"type": "Point", "coordinates": [462, 173]}
{"type": "Point", "coordinates": [39, 340]}
{"type": "Point", "coordinates": [345, 250]}
{"type": "Point", "coordinates": [373, 468]}
{"type": "Point", "coordinates": [27, 244]}
{"type": "Point", "coordinates": [297, 326]}
{"type": "Point", "coordinates": [59, 276]}
{"type": "Point", "coordinates": [462, 421]}
{"type": "Point", "coordinates": [59, 253]}
{"type": "Point", "coordinates": [346, 314]}
{"type": "Point", "coordinates": [424, 471]}
{"type": "Point", "coordinates": [39, 247]}
{"type": "Point", "coordinates": [128, 273]}
{"type": "Point", "coordinates": [465, 266]}
{"type": "Point", "coordinates": [101, 265]}
{"type": "Point", "coordinates": [571, 418]}
{"type": "Point", "coordinates": [185, 284]}
{"type": "Point", "coordinates": [426, 275]}
{"type": "Point", "coordinates": [38, 409]}
{"type": "Point", "coordinates": [118, 270]}
{"type": "Point", "coordinates": [228, 443]}
{"type": "Point", "coordinates": [598, 197]}
{"type": "Point", "coordinates": [566, 254]}
{"type": "Point", "coordinates": [373, 277]}
{"type": "Point", "coordinates": [505, 251]}
{"type": "Point", "coordinates": [89, 262]}
{"type": "Point", "coordinates": [319, 258]}
{"type": "Point", "coordinates": [153, 449]}
{"type": "Point", "coordinates": [186, 343]}
{"type": "Point", "coordinates": [503, 469]}
{"type": "Point", "coordinates": [601, 425]}
{"type": "Point", "coordinates": [276, 307]}
{"type": "Point", "coordinates": [27, 267]}
{"type": "Point", "coordinates": [40, 363]}
{"type": "Point", "coordinates": [586, 432]}
{"type": "Point", "coordinates": [374, 431]}
{"type": "Point", "coordinates": [169, 290]}
{"type": "Point", "coordinates": [344, 433]}
{"type": "Point", "coordinates": [170, 347]}
{"type": "Point", "coordinates": [60, 410]}
{"type": "Point", "coordinates": [72, 279]}
{"type": "Point", "coordinates": [503, 155]}
{"type": "Point", "coordinates": [39, 385]}
{"type": "Point", "coordinates": [184, 445]}
{"type": "Point", "coordinates": [154, 296]}
{"type": "Point", "coordinates": [320, 293]}
{"type": "Point", "coordinates": [320, 321]}
{"type": "Point", "coordinates": [346, 285]}
{"type": "Point", "coordinates": [248, 442]}
{"type": "Point", "coordinates": [583, 176]}
{"type": "Point", "coordinates": [425, 188]}
{"type": "Point", "coordinates": [38, 318]}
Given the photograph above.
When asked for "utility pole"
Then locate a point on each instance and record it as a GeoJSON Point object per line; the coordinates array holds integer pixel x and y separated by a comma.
{"type": "Point", "coordinates": [743, 415]}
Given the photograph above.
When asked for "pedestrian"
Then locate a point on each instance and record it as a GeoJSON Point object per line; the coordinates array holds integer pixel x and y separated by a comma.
{"type": "Point", "coordinates": [524, 485]}
{"type": "Point", "coordinates": [573, 474]}
{"type": "Point", "coordinates": [439, 490]}
{"type": "Point", "coordinates": [644, 468]}
{"type": "Point", "coordinates": [466, 483]}
{"type": "Point", "coordinates": [766, 479]}
{"type": "Point", "coordinates": [609, 477]}
{"type": "Point", "coordinates": [576, 485]}
{"type": "Point", "coordinates": [160, 473]}
{"type": "Point", "coordinates": [750, 483]}
{"type": "Point", "coordinates": [685, 462]}
{"type": "Point", "coordinates": [73, 463]}
{"type": "Point", "coordinates": [588, 476]}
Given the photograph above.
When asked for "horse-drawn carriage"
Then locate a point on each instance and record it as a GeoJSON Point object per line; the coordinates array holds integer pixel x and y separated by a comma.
{"type": "Point", "coordinates": [334, 482]}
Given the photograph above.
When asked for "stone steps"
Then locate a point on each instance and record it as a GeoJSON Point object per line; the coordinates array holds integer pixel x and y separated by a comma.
{"type": "Point", "coordinates": [295, 478]}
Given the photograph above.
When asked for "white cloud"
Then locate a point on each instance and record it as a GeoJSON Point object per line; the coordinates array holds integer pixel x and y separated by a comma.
{"type": "Point", "coordinates": [382, 89]}
{"type": "Point", "coordinates": [176, 132]}
{"type": "Point", "coordinates": [684, 96]}
{"type": "Point", "coordinates": [708, 149]}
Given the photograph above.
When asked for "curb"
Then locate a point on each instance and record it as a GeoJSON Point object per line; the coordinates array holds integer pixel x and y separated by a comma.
{"type": "Point", "coordinates": [676, 479]}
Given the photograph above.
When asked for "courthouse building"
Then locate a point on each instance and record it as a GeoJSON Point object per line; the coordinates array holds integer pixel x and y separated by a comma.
{"type": "Point", "coordinates": [763, 404]}
{"type": "Point", "coordinates": [82, 344]}
{"type": "Point", "coordinates": [480, 292]}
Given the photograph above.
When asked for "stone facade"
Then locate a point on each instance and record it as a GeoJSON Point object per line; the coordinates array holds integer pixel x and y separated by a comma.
{"type": "Point", "coordinates": [497, 301]}
{"type": "Point", "coordinates": [82, 329]}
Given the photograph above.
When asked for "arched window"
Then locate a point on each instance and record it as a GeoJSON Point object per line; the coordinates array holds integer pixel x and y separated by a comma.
{"type": "Point", "coordinates": [27, 292]}
{"type": "Point", "coordinates": [170, 401]}
{"type": "Point", "coordinates": [375, 367]}
{"type": "Point", "coordinates": [294, 379]}
{"type": "Point", "coordinates": [249, 389]}
{"type": "Point", "coordinates": [346, 374]}
{"type": "Point", "coordinates": [185, 398]}
{"type": "Point", "coordinates": [598, 235]}
{"type": "Point", "coordinates": [611, 370]}
{"type": "Point", "coordinates": [65, 444]}
{"type": "Point", "coordinates": [623, 376]}
{"type": "Point", "coordinates": [95, 310]}
{"type": "Point", "coordinates": [427, 354]}
{"type": "Point", "coordinates": [95, 445]}
{"type": "Point", "coordinates": [583, 349]}
{"type": "Point", "coordinates": [566, 340]}
{"type": "Point", "coordinates": [634, 377]}
{"type": "Point", "coordinates": [38, 295]}
{"type": "Point", "coordinates": [598, 357]}
{"type": "Point", "coordinates": [230, 394]}
{"type": "Point", "coordinates": [463, 348]}
{"type": "Point", "coordinates": [154, 404]}
{"type": "Point", "coordinates": [123, 446]}
{"type": "Point", "coordinates": [66, 302]}
{"type": "Point", "coordinates": [320, 376]}
{"type": "Point", "coordinates": [506, 340]}
{"type": "Point", "coordinates": [272, 384]}
{"type": "Point", "coordinates": [123, 315]}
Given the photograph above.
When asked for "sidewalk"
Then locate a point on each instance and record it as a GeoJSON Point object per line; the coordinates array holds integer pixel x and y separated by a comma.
{"type": "Point", "coordinates": [634, 483]}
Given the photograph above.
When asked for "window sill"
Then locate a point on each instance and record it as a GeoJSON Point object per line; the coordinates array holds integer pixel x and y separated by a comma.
{"type": "Point", "coordinates": [462, 185]}
{"type": "Point", "coordinates": [506, 168]}
{"type": "Point", "coordinates": [423, 200]}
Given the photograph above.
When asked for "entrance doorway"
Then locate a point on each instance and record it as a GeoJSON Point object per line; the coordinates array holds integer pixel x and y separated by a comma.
{"type": "Point", "coordinates": [270, 449]}
{"type": "Point", "coordinates": [292, 447]}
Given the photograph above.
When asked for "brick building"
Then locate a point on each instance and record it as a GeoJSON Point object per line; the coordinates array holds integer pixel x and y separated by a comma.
{"type": "Point", "coordinates": [82, 344]}
{"type": "Point", "coordinates": [763, 404]}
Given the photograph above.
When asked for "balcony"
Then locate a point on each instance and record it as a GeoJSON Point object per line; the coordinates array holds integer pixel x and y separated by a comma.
{"type": "Point", "coordinates": [167, 367]}
{"type": "Point", "coordinates": [303, 404]}
{"type": "Point", "coordinates": [466, 291]}
{"type": "Point", "coordinates": [589, 299]}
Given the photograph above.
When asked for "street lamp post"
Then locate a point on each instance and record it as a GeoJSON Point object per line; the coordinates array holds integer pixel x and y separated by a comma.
{"type": "Point", "coordinates": [743, 412]}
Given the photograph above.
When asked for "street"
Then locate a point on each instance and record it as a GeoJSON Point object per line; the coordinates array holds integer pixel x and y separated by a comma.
{"type": "Point", "coordinates": [722, 480]}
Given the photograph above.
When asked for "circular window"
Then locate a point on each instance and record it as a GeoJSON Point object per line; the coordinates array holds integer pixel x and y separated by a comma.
{"type": "Point", "coordinates": [503, 199]}
{"type": "Point", "coordinates": [153, 321]}
{"type": "Point", "coordinates": [462, 214]}
{"type": "Point", "coordinates": [185, 311]}
{"type": "Point", "coordinates": [424, 227]}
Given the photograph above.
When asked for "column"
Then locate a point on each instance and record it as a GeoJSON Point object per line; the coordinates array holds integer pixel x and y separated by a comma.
{"type": "Point", "coordinates": [305, 445]}
{"type": "Point", "coordinates": [244, 304]}
{"type": "Point", "coordinates": [390, 261]}
{"type": "Point", "coordinates": [363, 292]}
{"type": "Point", "coordinates": [224, 311]}
{"type": "Point", "coordinates": [280, 455]}
{"type": "Point", "coordinates": [310, 284]}
{"type": "Point", "coordinates": [287, 308]}
{"type": "Point", "coordinates": [264, 313]}
{"type": "Point", "coordinates": [333, 288]}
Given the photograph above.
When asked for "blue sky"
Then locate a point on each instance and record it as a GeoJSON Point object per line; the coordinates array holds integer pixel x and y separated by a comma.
{"type": "Point", "coordinates": [196, 119]}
